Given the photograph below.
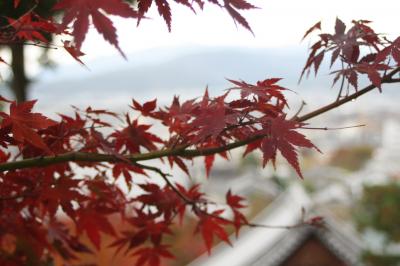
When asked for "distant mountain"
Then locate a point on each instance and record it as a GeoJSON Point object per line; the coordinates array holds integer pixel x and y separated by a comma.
{"type": "Point", "coordinates": [186, 72]}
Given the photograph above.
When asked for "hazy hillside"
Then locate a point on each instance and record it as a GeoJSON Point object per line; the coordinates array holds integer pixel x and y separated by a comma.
{"type": "Point", "coordinates": [179, 72]}
{"type": "Point", "coordinates": [162, 73]}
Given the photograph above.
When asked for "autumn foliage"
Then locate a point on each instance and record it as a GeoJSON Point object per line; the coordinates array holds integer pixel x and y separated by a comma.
{"type": "Point", "coordinates": [40, 187]}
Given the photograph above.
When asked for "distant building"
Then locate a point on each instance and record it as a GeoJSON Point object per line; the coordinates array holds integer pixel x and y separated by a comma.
{"type": "Point", "coordinates": [310, 245]}
{"type": "Point", "coordinates": [331, 245]}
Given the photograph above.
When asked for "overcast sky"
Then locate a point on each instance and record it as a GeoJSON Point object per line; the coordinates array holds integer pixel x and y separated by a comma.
{"type": "Point", "coordinates": [276, 24]}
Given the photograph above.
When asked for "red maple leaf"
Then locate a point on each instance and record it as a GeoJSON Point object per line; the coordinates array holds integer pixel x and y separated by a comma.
{"type": "Point", "coordinates": [209, 161]}
{"type": "Point", "coordinates": [193, 193]}
{"type": "Point", "coordinates": [372, 71]}
{"type": "Point", "coordinates": [393, 49]}
{"type": "Point", "coordinates": [165, 11]}
{"type": "Point", "coordinates": [16, 3]}
{"type": "Point", "coordinates": [234, 201]}
{"type": "Point", "coordinates": [126, 169]}
{"type": "Point", "coordinates": [210, 225]}
{"type": "Point", "coordinates": [317, 26]}
{"type": "Point", "coordinates": [265, 90]}
{"type": "Point", "coordinates": [145, 229]}
{"type": "Point", "coordinates": [23, 122]}
{"type": "Point", "coordinates": [164, 199]}
{"type": "Point", "coordinates": [73, 51]}
{"type": "Point", "coordinates": [283, 137]}
{"type": "Point", "coordinates": [146, 108]}
{"type": "Point", "coordinates": [79, 12]}
{"type": "Point", "coordinates": [152, 255]}
{"type": "Point", "coordinates": [178, 115]}
{"type": "Point", "coordinates": [93, 223]}
{"type": "Point", "coordinates": [181, 164]}
{"type": "Point", "coordinates": [134, 136]}
{"type": "Point", "coordinates": [60, 194]}
{"type": "Point", "coordinates": [211, 118]}
{"type": "Point", "coordinates": [232, 6]}
{"type": "Point", "coordinates": [30, 27]}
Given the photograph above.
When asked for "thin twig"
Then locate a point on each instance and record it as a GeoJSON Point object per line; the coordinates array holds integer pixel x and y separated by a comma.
{"type": "Point", "coordinates": [17, 20]}
{"type": "Point", "coordinates": [386, 79]}
{"type": "Point", "coordinates": [341, 85]}
{"type": "Point", "coordinates": [166, 179]}
{"type": "Point", "coordinates": [303, 103]}
{"type": "Point", "coordinates": [332, 128]}
{"type": "Point", "coordinates": [196, 208]}
{"type": "Point", "coordinates": [302, 223]}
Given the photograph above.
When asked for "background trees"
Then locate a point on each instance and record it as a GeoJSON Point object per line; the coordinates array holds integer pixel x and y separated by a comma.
{"type": "Point", "coordinates": [377, 213]}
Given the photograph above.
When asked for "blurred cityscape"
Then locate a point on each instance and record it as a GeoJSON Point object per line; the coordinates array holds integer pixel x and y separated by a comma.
{"type": "Point", "coordinates": [352, 186]}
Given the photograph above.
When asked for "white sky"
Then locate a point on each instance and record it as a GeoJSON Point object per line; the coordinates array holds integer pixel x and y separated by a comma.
{"type": "Point", "coordinates": [276, 24]}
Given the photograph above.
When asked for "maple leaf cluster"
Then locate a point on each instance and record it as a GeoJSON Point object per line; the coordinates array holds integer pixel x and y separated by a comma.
{"type": "Point", "coordinates": [78, 15]}
{"type": "Point", "coordinates": [37, 195]}
{"type": "Point", "coordinates": [348, 48]}
{"type": "Point", "coordinates": [41, 188]}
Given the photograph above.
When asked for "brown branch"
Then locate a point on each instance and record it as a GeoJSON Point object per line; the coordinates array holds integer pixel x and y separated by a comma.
{"type": "Point", "coordinates": [301, 223]}
{"type": "Point", "coordinates": [96, 157]}
{"type": "Point", "coordinates": [392, 80]}
{"type": "Point", "coordinates": [196, 208]}
{"type": "Point", "coordinates": [303, 103]}
{"type": "Point", "coordinates": [386, 79]}
{"type": "Point", "coordinates": [341, 85]}
{"type": "Point", "coordinates": [167, 181]}
{"type": "Point", "coordinates": [179, 150]}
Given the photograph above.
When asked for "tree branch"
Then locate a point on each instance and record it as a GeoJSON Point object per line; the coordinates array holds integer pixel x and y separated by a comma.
{"type": "Point", "coordinates": [179, 150]}
{"type": "Point", "coordinates": [392, 80]}
{"type": "Point", "coordinates": [96, 157]}
{"type": "Point", "coordinates": [194, 204]}
{"type": "Point", "coordinates": [385, 79]}
{"type": "Point", "coordinates": [167, 181]}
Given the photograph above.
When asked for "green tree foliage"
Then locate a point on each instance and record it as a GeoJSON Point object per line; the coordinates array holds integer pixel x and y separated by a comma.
{"type": "Point", "coordinates": [378, 210]}
{"type": "Point", "coordinates": [352, 158]}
